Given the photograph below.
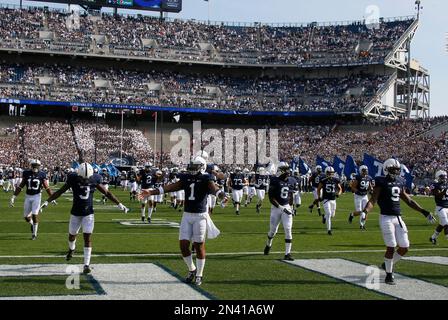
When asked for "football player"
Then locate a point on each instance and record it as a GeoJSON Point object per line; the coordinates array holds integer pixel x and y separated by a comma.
{"type": "Point", "coordinates": [195, 220]}
{"type": "Point", "coordinates": [124, 180]}
{"type": "Point", "coordinates": [330, 188]}
{"type": "Point", "coordinates": [361, 185]}
{"type": "Point", "coordinates": [314, 182]}
{"type": "Point", "coordinates": [83, 184]}
{"type": "Point", "coordinates": [250, 188]}
{"type": "Point", "coordinates": [147, 180]}
{"type": "Point", "coordinates": [440, 191]}
{"type": "Point", "coordinates": [281, 211]}
{"type": "Point", "coordinates": [173, 179]}
{"type": "Point", "coordinates": [236, 183]}
{"type": "Point", "coordinates": [35, 180]}
{"type": "Point", "coordinates": [132, 178]}
{"type": "Point", "coordinates": [261, 184]}
{"type": "Point", "coordinates": [2, 179]}
{"type": "Point", "coordinates": [216, 174]}
{"type": "Point", "coordinates": [105, 180]}
{"type": "Point", "coordinates": [387, 192]}
{"type": "Point", "coordinates": [10, 177]}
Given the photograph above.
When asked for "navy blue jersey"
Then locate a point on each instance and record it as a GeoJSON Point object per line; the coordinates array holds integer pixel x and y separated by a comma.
{"type": "Point", "coordinates": [364, 184]}
{"type": "Point", "coordinates": [441, 201]}
{"type": "Point", "coordinates": [105, 178]}
{"type": "Point", "coordinates": [251, 182]}
{"type": "Point", "coordinates": [294, 184]}
{"type": "Point", "coordinates": [237, 181]}
{"type": "Point", "coordinates": [261, 181]}
{"type": "Point", "coordinates": [315, 179]}
{"type": "Point", "coordinates": [330, 188]}
{"type": "Point", "coordinates": [132, 177]}
{"type": "Point", "coordinates": [389, 198]}
{"type": "Point", "coordinates": [196, 187]}
{"type": "Point", "coordinates": [83, 194]}
{"type": "Point", "coordinates": [279, 190]}
{"type": "Point", "coordinates": [147, 179]}
{"type": "Point", "coordinates": [34, 181]}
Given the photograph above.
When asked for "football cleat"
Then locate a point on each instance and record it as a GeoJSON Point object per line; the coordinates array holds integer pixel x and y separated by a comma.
{"type": "Point", "coordinates": [190, 277]}
{"type": "Point", "coordinates": [390, 279]}
{"type": "Point", "coordinates": [266, 250]}
{"type": "Point", "coordinates": [350, 218]}
{"type": "Point", "coordinates": [311, 208]}
{"type": "Point", "coordinates": [143, 219]}
{"type": "Point", "coordinates": [237, 212]}
{"type": "Point", "coordinates": [258, 208]}
{"type": "Point", "coordinates": [288, 257]}
{"type": "Point", "coordinates": [362, 228]}
{"type": "Point", "coordinates": [86, 270]}
{"type": "Point", "coordinates": [33, 237]}
{"type": "Point", "coordinates": [198, 281]}
{"type": "Point", "coordinates": [69, 255]}
{"type": "Point", "coordinates": [149, 220]}
{"type": "Point", "coordinates": [433, 241]}
{"type": "Point", "coordinates": [330, 233]}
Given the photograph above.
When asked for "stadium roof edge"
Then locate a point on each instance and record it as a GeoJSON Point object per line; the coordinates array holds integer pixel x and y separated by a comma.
{"type": "Point", "coordinates": [232, 23]}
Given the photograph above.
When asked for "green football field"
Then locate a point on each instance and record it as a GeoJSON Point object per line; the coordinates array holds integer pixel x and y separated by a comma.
{"type": "Point", "coordinates": [236, 267]}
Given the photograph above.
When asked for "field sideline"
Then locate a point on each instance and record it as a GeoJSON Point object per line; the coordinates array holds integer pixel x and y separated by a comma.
{"type": "Point", "coordinates": [236, 268]}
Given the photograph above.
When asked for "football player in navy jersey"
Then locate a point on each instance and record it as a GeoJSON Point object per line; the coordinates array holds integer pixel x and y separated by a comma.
{"type": "Point", "coordinates": [261, 184]}
{"type": "Point", "coordinates": [236, 183]}
{"type": "Point", "coordinates": [147, 180]}
{"type": "Point", "coordinates": [361, 185]}
{"type": "Point", "coordinates": [196, 221]}
{"type": "Point", "coordinates": [295, 190]}
{"type": "Point", "coordinates": [35, 180]}
{"type": "Point", "coordinates": [387, 192]}
{"type": "Point", "coordinates": [281, 211]}
{"type": "Point", "coordinates": [314, 182]}
{"type": "Point", "coordinates": [330, 189]}
{"type": "Point", "coordinates": [439, 190]}
{"type": "Point", "coordinates": [83, 185]}
{"type": "Point", "coordinates": [105, 181]}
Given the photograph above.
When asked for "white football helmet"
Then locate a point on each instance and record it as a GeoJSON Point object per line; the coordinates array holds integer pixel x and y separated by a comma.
{"type": "Point", "coordinates": [329, 171]}
{"type": "Point", "coordinates": [282, 169]}
{"type": "Point", "coordinates": [392, 168]}
{"type": "Point", "coordinates": [261, 170]}
{"type": "Point", "coordinates": [237, 169]}
{"type": "Point", "coordinates": [246, 171]}
{"type": "Point", "coordinates": [364, 169]}
{"type": "Point", "coordinates": [202, 154]}
{"type": "Point", "coordinates": [318, 169]}
{"type": "Point", "coordinates": [441, 176]}
{"type": "Point", "coordinates": [197, 165]}
{"type": "Point", "coordinates": [35, 165]}
{"type": "Point", "coordinates": [85, 171]}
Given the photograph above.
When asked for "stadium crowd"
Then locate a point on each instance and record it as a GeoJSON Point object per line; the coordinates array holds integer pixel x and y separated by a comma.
{"type": "Point", "coordinates": [177, 39]}
{"type": "Point", "coordinates": [209, 91]}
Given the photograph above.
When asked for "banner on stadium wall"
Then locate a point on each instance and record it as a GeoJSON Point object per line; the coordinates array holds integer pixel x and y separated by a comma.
{"type": "Point", "coordinates": [376, 169]}
{"type": "Point", "coordinates": [304, 167]}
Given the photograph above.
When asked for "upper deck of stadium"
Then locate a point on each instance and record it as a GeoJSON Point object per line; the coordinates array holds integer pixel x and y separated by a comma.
{"type": "Point", "coordinates": [42, 29]}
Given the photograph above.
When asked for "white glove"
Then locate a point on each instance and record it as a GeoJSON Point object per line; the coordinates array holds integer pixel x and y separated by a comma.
{"type": "Point", "coordinates": [43, 206]}
{"type": "Point", "coordinates": [123, 208]}
{"type": "Point", "coordinates": [11, 202]}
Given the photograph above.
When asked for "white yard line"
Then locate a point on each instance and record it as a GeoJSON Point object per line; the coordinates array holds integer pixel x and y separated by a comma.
{"type": "Point", "coordinates": [134, 281]}
{"type": "Point", "coordinates": [434, 260]}
{"type": "Point", "coordinates": [407, 288]}
{"type": "Point", "coordinates": [219, 253]}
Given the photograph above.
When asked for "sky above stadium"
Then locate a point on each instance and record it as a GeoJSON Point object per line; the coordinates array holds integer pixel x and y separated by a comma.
{"type": "Point", "coordinates": [429, 45]}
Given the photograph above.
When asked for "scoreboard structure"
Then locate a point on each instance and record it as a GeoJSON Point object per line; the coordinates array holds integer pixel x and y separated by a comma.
{"type": "Point", "coordinates": [150, 5]}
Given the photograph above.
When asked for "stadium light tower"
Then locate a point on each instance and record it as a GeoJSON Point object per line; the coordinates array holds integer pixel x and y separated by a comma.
{"type": "Point", "coordinates": [418, 7]}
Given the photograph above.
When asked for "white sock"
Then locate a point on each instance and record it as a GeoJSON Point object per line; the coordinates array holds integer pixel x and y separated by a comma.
{"type": "Point", "coordinates": [328, 222]}
{"type": "Point", "coordinates": [435, 235]}
{"type": "Point", "coordinates": [35, 227]}
{"type": "Point", "coordinates": [269, 242]}
{"type": "Point", "coordinates": [87, 255]}
{"type": "Point", "coordinates": [143, 212]}
{"type": "Point", "coordinates": [189, 262]}
{"type": "Point", "coordinates": [389, 265]}
{"type": "Point", "coordinates": [288, 248]}
{"type": "Point", "coordinates": [72, 245]}
{"type": "Point", "coordinates": [200, 263]}
{"type": "Point", "coordinates": [150, 212]}
{"type": "Point", "coordinates": [397, 257]}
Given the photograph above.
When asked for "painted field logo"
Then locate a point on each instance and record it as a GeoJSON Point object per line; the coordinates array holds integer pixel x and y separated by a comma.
{"type": "Point", "coordinates": [72, 282]}
{"type": "Point", "coordinates": [373, 278]}
{"type": "Point", "coordinates": [154, 223]}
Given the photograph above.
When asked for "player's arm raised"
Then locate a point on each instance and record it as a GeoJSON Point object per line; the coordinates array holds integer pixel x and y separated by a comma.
{"type": "Point", "coordinates": [173, 187]}
{"type": "Point", "coordinates": [414, 205]}
{"type": "Point", "coordinates": [111, 197]}
{"type": "Point", "coordinates": [55, 195]}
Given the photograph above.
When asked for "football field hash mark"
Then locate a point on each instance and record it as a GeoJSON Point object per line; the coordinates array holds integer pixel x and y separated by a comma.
{"type": "Point", "coordinates": [136, 281]}
{"type": "Point", "coordinates": [407, 288]}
